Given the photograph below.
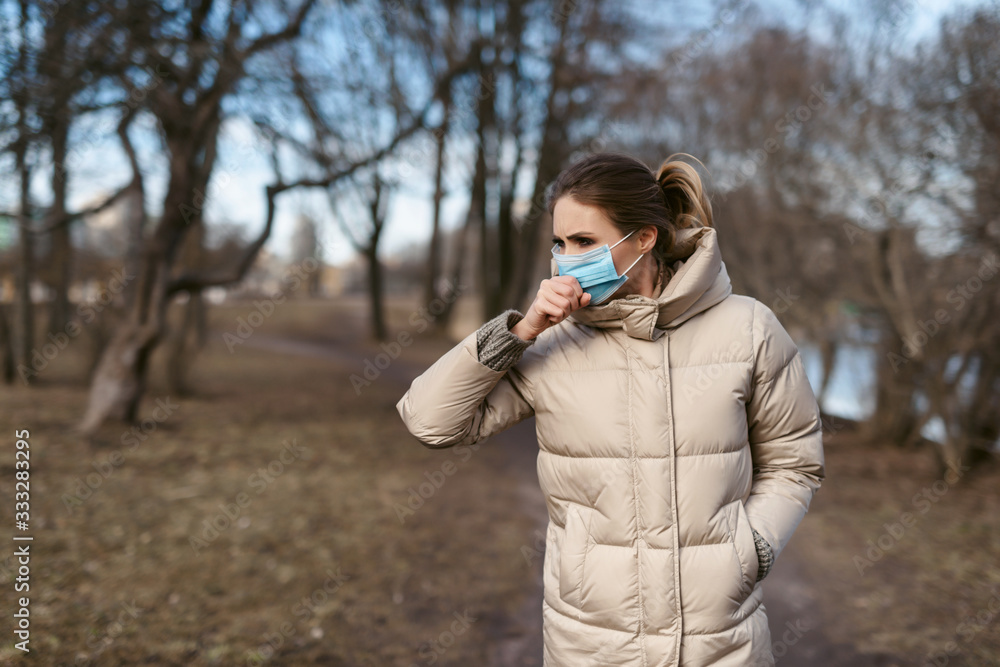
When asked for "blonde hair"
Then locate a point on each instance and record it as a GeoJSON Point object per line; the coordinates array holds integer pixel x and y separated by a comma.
{"type": "Point", "coordinates": [684, 193]}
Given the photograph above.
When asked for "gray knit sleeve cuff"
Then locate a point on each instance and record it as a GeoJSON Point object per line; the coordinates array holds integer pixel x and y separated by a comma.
{"type": "Point", "coordinates": [496, 346]}
{"type": "Point", "coordinates": [765, 555]}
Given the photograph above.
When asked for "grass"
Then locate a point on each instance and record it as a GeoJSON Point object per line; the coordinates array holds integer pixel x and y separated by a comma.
{"type": "Point", "coordinates": [317, 561]}
{"type": "Point", "coordinates": [906, 564]}
{"type": "Point", "coordinates": [319, 565]}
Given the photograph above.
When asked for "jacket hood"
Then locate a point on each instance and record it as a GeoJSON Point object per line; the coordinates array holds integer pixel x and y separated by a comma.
{"type": "Point", "coordinates": [699, 282]}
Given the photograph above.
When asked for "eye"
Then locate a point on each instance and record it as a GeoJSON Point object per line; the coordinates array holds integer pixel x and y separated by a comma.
{"type": "Point", "coordinates": [582, 242]}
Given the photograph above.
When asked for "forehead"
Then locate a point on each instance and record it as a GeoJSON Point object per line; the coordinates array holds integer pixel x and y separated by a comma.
{"type": "Point", "coordinates": [571, 217]}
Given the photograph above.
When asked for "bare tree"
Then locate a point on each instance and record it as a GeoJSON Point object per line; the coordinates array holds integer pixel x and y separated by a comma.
{"type": "Point", "coordinates": [200, 65]}
{"type": "Point", "coordinates": [524, 120]}
{"type": "Point", "coordinates": [18, 88]}
{"type": "Point", "coordinates": [370, 78]}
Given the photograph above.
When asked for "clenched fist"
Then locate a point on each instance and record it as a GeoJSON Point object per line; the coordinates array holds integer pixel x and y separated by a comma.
{"type": "Point", "coordinates": [557, 297]}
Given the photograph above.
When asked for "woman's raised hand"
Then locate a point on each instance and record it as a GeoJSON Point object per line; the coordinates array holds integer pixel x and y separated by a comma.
{"type": "Point", "coordinates": [557, 297]}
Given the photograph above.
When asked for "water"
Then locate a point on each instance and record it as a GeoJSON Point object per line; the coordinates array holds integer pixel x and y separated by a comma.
{"type": "Point", "coordinates": [851, 390]}
{"type": "Point", "coordinates": [852, 385]}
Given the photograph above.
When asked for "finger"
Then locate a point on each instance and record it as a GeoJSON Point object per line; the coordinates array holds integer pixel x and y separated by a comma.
{"type": "Point", "coordinates": [576, 298]}
{"type": "Point", "coordinates": [570, 281]}
{"type": "Point", "coordinates": [571, 291]}
{"type": "Point", "coordinates": [551, 311]}
{"type": "Point", "coordinates": [564, 303]}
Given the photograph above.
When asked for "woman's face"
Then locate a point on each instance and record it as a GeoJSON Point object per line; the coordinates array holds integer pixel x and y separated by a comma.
{"type": "Point", "coordinates": [580, 227]}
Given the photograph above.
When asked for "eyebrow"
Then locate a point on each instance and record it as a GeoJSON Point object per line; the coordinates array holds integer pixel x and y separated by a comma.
{"type": "Point", "coordinates": [574, 237]}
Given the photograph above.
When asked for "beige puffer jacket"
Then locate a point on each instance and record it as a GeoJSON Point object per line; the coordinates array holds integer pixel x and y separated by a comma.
{"type": "Point", "coordinates": [668, 429]}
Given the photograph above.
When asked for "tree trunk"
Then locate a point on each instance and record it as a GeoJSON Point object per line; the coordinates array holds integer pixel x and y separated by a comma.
{"type": "Point", "coordinates": [25, 337]}
{"type": "Point", "coordinates": [828, 355]}
{"type": "Point", "coordinates": [434, 251]}
{"type": "Point", "coordinates": [62, 250]}
{"type": "Point", "coordinates": [551, 153]}
{"type": "Point", "coordinates": [895, 419]}
{"type": "Point", "coordinates": [25, 308]}
{"type": "Point", "coordinates": [375, 292]}
{"type": "Point", "coordinates": [189, 337]}
{"type": "Point", "coordinates": [120, 377]}
{"type": "Point", "coordinates": [506, 227]}
{"type": "Point", "coordinates": [490, 249]}
{"type": "Point", "coordinates": [487, 268]}
{"type": "Point", "coordinates": [6, 348]}
{"type": "Point", "coordinates": [442, 321]}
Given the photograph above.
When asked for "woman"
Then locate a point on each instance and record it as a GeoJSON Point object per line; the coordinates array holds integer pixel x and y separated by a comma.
{"type": "Point", "coordinates": [679, 440]}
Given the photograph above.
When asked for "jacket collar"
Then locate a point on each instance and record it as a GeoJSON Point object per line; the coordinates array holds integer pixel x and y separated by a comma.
{"type": "Point", "coordinates": [699, 282]}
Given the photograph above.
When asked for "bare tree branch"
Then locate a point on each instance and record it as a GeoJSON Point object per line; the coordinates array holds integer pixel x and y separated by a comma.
{"type": "Point", "coordinates": [53, 224]}
{"type": "Point", "coordinates": [290, 31]}
{"type": "Point", "coordinates": [199, 281]}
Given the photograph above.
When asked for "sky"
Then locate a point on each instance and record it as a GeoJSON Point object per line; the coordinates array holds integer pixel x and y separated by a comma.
{"type": "Point", "coordinates": [236, 193]}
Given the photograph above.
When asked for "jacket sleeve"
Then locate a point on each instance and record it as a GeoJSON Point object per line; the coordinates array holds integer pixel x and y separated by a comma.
{"type": "Point", "coordinates": [785, 431]}
{"type": "Point", "coordinates": [478, 388]}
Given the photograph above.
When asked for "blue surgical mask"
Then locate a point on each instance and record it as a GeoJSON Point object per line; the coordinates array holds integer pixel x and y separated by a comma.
{"type": "Point", "coordinates": [594, 270]}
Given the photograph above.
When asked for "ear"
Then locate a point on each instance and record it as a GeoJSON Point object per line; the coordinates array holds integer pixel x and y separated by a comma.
{"type": "Point", "coordinates": [647, 237]}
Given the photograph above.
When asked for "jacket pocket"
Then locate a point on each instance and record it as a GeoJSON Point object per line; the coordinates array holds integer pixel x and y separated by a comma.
{"type": "Point", "coordinates": [746, 549]}
{"type": "Point", "coordinates": [573, 551]}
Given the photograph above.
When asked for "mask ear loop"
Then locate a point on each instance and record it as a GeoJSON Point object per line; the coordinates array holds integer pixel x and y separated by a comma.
{"type": "Point", "coordinates": [623, 238]}
{"type": "Point", "coordinates": [636, 259]}
{"type": "Point", "coordinates": [633, 264]}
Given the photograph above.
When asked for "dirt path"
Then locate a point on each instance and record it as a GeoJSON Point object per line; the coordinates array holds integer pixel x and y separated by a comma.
{"type": "Point", "coordinates": [795, 620]}
{"type": "Point", "coordinates": [518, 640]}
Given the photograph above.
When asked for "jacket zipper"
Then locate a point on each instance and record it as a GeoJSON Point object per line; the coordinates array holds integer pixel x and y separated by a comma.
{"type": "Point", "coordinates": [673, 494]}
{"type": "Point", "coordinates": [634, 460]}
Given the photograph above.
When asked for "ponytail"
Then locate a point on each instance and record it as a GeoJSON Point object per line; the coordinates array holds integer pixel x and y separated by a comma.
{"type": "Point", "coordinates": [683, 193]}
{"type": "Point", "coordinates": [633, 196]}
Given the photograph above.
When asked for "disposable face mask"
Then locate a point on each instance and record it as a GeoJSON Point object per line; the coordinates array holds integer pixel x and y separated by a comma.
{"type": "Point", "coordinates": [594, 270]}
